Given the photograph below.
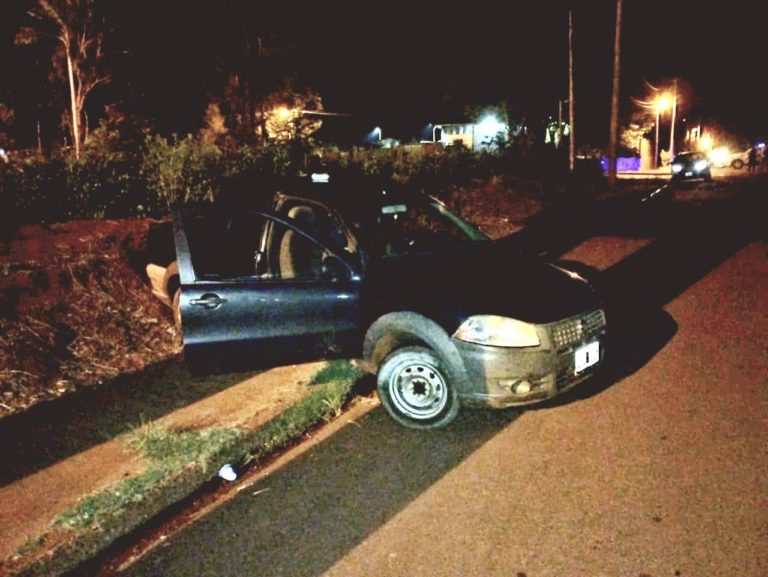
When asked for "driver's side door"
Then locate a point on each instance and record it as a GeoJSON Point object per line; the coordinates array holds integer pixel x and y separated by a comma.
{"type": "Point", "coordinates": [260, 291]}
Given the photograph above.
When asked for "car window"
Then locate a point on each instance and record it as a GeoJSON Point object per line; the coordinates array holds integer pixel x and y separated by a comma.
{"type": "Point", "coordinates": [416, 226]}
{"type": "Point", "coordinates": [289, 255]}
{"type": "Point", "coordinates": [253, 246]}
{"type": "Point", "coordinates": [223, 246]}
{"type": "Point", "coordinates": [319, 220]}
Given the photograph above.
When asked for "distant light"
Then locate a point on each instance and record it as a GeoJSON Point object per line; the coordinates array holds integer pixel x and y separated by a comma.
{"type": "Point", "coordinates": [490, 124]}
{"type": "Point", "coordinates": [705, 143]}
{"type": "Point", "coordinates": [719, 156]}
{"type": "Point", "coordinates": [374, 136]}
{"type": "Point", "coordinates": [663, 102]}
{"type": "Point", "coordinates": [320, 177]}
{"type": "Point", "coordinates": [283, 113]}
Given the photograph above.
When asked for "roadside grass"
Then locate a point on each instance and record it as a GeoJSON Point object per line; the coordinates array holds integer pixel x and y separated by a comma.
{"type": "Point", "coordinates": [179, 463]}
{"type": "Point", "coordinates": [188, 458]}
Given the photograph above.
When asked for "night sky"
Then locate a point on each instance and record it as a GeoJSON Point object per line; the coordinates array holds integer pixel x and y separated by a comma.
{"type": "Point", "coordinates": [402, 65]}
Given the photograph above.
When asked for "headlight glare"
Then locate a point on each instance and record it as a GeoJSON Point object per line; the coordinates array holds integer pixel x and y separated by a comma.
{"type": "Point", "coordinates": [498, 332]}
{"type": "Point", "coordinates": [677, 167]}
{"type": "Point", "coordinates": [700, 165]}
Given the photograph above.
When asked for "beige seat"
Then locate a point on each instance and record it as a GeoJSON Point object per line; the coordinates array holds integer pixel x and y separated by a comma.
{"type": "Point", "coordinates": [299, 257]}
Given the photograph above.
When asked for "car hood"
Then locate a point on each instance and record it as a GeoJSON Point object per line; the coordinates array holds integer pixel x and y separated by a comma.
{"type": "Point", "coordinates": [479, 278]}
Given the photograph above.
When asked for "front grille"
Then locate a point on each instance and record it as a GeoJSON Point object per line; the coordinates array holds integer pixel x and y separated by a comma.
{"type": "Point", "coordinates": [577, 329]}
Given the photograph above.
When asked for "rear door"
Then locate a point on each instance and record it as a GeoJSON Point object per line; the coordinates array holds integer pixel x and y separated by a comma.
{"type": "Point", "coordinates": [258, 290]}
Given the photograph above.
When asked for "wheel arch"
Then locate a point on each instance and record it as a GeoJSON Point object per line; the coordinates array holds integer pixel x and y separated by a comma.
{"type": "Point", "coordinates": [406, 328]}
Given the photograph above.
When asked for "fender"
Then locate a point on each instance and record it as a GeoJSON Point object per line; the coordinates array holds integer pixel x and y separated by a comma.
{"type": "Point", "coordinates": [403, 328]}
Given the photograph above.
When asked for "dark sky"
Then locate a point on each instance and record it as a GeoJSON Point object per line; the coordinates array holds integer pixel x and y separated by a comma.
{"type": "Point", "coordinates": [402, 65]}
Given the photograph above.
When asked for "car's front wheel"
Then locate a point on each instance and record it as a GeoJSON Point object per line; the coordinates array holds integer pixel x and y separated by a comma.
{"type": "Point", "coordinates": [415, 386]}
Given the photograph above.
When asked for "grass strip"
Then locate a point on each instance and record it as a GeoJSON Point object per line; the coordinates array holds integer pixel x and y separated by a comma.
{"type": "Point", "coordinates": [180, 462]}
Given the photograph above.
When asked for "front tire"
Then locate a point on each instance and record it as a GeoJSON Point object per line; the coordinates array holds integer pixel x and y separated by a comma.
{"type": "Point", "coordinates": [416, 388]}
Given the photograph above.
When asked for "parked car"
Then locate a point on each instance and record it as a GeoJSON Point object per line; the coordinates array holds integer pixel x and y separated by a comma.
{"type": "Point", "coordinates": [442, 315]}
{"type": "Point", "coordinates": [691, 165]}
{"type": "Point", "coordinates": [739, 160]}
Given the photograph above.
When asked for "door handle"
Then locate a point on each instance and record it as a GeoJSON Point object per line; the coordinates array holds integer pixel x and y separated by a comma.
{"type": "Point", "coordinates": [208, 301]}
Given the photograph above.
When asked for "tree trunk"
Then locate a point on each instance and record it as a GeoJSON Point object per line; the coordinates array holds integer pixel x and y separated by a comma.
{"type": "Point", "coordinates": [74, 108]}
{"type": "Point", "coordinates": [615, 100]}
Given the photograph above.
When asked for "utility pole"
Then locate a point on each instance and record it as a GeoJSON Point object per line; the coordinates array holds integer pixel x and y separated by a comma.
{"type": "Point", "coordinates": [571, 121]}
{"type": "Point", "coordinates": [615, 100]}
{"type": "Point", "coordinates": [672, 125]}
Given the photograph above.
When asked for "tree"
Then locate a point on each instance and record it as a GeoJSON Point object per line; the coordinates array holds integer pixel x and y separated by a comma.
{"type": "Point", "coordinates": [7, 117]}
{"type": "Point", "coordinates": [77, 35]}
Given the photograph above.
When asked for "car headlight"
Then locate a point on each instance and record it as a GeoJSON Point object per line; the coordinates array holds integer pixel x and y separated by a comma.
{"type": "Point", "coordinates": [700, 165]}
{"type": "Point", "coordinates": [677, 168]}
{"type": "Point", "coordinates": [497, 331]}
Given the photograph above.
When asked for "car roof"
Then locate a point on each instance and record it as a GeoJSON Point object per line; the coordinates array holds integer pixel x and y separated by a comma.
{"type": "Point", "coordinates": [353, 196]}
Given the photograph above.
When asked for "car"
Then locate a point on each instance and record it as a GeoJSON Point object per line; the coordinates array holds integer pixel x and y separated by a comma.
{"type": "Point", "coordinates": [691, 165]}
{"type": "Point", "coordinates": [442, 315]}
{"type": "Point", "coordinates": [739, 160]}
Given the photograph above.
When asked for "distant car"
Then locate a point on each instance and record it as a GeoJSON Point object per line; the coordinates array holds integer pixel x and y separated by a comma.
{"type": "Point", "coordinates": [691, 165]}
{"type": "Point", "coordinates": [442, 314]}
{"type": "Point", "coordinates": [739, 160]}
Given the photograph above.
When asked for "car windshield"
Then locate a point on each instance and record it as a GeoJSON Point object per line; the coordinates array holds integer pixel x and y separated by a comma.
{"type": "Point", "coordinates": [421, 225]}
{"type": "Point", "coordinates": [689, 157]}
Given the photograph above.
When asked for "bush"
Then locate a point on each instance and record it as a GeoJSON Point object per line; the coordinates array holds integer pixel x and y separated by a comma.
{"type": "Point", "coordinates": [181, 170]}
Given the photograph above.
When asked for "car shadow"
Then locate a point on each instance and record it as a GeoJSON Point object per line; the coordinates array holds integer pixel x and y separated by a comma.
{"type": "Point", "coordinates": [692, 239]}
{"type": "Point", "coordinates": [303, 518]}
{"type": "Point", "coordinates": [57, 429]}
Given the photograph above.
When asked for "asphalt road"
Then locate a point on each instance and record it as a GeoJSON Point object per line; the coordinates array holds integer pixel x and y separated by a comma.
{"type": "Point", "coordinates": [657, 468]}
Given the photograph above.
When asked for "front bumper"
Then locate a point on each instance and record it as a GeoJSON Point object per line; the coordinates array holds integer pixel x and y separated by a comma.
{"type": "Point", "coordinates": [502, 377]}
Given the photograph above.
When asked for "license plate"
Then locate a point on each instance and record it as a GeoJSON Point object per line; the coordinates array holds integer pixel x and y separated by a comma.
{"type": "Point", "coordinates": [586, 356]}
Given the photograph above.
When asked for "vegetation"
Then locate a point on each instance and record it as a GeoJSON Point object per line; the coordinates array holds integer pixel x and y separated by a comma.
{"type": "Point", "coordinates": [195, 454]}
{"type": "Point", "coordinates": [159, 172]}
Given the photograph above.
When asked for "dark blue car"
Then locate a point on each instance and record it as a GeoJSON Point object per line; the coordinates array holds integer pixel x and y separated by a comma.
{"type": "Point", "coordinates": [443, 315]}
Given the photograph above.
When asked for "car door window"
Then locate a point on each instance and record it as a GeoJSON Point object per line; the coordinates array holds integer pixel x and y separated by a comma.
{"type": "Point", "coordinates": [293, 256]}
{"type": "Point", "coordinates": [321, 221]}
{"type": "Point", "coordinates": [254, 246]}
{"type": "Point", "coordinates": [223, 246]}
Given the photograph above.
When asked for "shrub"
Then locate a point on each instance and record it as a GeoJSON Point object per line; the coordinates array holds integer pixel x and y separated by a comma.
{"type": "Point", "coordinates": [181, 170]}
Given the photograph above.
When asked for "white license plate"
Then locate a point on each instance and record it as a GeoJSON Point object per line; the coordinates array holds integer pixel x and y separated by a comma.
{"type": "Point", "coordinates": [586, 356]}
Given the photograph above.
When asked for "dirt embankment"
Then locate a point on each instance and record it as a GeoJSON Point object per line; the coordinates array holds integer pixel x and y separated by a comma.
{"type": "Point", "coordinates": [75, 309]}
